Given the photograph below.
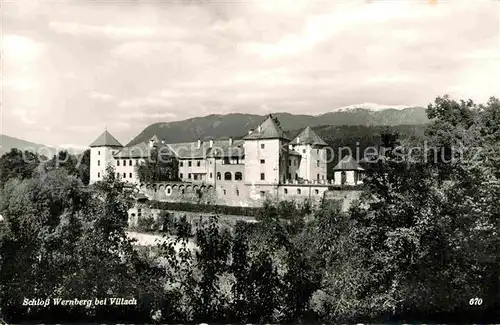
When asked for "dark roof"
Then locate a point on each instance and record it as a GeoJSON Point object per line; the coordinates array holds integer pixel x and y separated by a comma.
{"type": "Point", "coordinates": [267, 130]}
{"type": "Point", "coordinates": [347, 163]}
{"type": "Point", "coordinates": [106, 140]}
{"type": "Point", "coordinates": [308, 136]}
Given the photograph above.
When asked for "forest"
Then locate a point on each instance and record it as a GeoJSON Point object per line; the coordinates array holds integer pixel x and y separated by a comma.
{"type": "Point", "coordinates": [420, 245]}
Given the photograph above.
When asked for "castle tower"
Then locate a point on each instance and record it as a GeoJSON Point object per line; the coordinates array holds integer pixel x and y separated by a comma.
{"type": "Point", "coordinates": [266, 154]}
{"type": "Point", "coordinates": [313, 165]}
{"type": "Point", "coordinates": [101, 155]}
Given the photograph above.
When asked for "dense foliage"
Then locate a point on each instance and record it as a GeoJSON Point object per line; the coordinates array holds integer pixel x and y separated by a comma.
{"type": "Point", "coordinates": [419, 244]}
{"type": "Point", "coordinates": [158, 167]}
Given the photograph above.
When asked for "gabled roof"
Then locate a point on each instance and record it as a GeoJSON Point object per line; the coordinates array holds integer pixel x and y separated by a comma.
{"type": "Point", "coordinates": [308, 136]}
{"type": "Point", "coordinates": [142, 150]}
{"type": "Point", "coordinates": [189, 149]}
{"type": "Point", "coordinates": [347, 163]}
{"type": "Point", "coordinates": [106, 140]}
{"type": "Point", "coordinates": [222, 148]}
{"type": "Point", "coordinates": [267, 130]}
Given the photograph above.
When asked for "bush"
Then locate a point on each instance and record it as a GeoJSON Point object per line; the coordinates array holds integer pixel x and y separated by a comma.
{"type": "Point", "coordinates": [146, 223]}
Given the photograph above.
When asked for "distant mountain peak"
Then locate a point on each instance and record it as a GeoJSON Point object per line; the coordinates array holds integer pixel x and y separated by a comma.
{"type": "Point", "coordinates": [371, 107]}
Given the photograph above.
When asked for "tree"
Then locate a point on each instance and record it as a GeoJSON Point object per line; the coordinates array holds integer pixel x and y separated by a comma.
{"type": "Point", "coordinates": [73, 240]}
{"type": "Point", "coordinates": [158, 167]}
{"type": "Point", "coordinates": [18, 164]}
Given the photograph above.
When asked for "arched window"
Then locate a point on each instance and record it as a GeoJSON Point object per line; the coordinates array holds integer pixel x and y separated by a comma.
{"type": "Point", "coordinates": [218, 176]}
{"type": "Point", "coordinates": [238, 176]}
{"type": "Point", "coordinates": [227, 176]}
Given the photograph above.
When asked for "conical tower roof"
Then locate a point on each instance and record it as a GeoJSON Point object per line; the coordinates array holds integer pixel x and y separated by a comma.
{"type": "Point", "coordinates": [308, 136]}
{"type": "Point", "coordinates": [106, 140]}
{"type": "Point", "coordinates": [348, 163]}
{"type": "Point", "coordinates": [267, 130]}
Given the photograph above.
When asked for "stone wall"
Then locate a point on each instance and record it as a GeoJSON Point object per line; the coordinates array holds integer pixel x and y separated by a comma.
{"type": "Point", "coordinates": [180, 192]}
{"type": "Point", "coordinates": [194, 218]}
{"type": "Point", "coordinates": [233, 193]}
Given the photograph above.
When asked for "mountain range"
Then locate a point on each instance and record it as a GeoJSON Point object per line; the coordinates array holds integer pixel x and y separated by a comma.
{"type": "Point", "coordinates": [7, 143]}
{"type": "Point", "coordinates": [236, 125]}
{"type": "Point", "coordinates": [343, 124]}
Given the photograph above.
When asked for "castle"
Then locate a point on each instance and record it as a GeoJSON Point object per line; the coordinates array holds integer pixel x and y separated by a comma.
{"type": "Point", "coordinates": [265, 163]}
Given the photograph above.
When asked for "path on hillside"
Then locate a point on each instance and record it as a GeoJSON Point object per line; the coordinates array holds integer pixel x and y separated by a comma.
{"type": "Point", "coordinates": [153, 240]}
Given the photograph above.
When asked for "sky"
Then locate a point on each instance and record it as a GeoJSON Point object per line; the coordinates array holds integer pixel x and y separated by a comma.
{"type": "Point", "coordinates": [73, 68]}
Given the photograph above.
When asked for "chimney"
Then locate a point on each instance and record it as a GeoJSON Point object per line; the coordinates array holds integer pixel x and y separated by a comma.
{"type": "Point", "coordinates": [211, 143]}
{"type": "Point", "coordinates": [259, 128]}
{"type": "Point", "coordinates": [250, 131]}
{"type": "Point", "coordinates": [230, 141]}
{"type": "Point", "coordinates": [298, 140]}
{"type": "Point", "coordinates": [162, 141]}
{"type": "Point", "coordinates": [199, 143]}
{"type": "Point", "coordinates": [151, 143]}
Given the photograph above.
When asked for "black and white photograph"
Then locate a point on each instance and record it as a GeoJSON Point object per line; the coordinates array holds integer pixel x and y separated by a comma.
{"type": "Point", "coordinates": [250, 162]}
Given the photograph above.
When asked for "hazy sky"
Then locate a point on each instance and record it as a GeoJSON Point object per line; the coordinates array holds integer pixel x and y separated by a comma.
{"type": "Point", "coordinates": [70, 68]}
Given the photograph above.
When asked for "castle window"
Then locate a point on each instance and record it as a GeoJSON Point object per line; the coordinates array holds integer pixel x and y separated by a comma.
{"type": "Point", "coordinates": [237, 192]}
{"type": "Point", "coordinates": [289, 176]}
{"type": "Point", "coordinates": [99, 152]}
{"type": "Point", "coordinates": [262, 176]}
{"type": "Point", "coordinates": [195, 177]}
{"type": "Point", "coordinates": [262, 193]}
{"type": "Point", "coordinates": [317, 151]}
{"type": "Point", "coordinates": [130, 175]}
{"type": "Point", "coordinates": [180, 175]}
{"type": "Point", "coordinates": [224, 191]}
{"type": "Point", "coordinates": [182, 191]}
{"type": "Point", "coordinates": [98, 163]}
{"type": "Point", "coordinates": [124, 175]}
{"type": "Point", "coordinates": [211, 175]}
{"type": "Point", "coordinates": [98, 175]}
{"type": "Point", "coordinates": [189, 163]}
{"type": "Point", "coordinates": [317, 177]}
{"type": "Point", "coordinates": [317, 163]}
{"type": "Point", "coordinates": [289, 162]}
{"type": "Point", "coordinates": [262, 161]}
{"type": "Point", "coordinates": [137, 162]}
{"type": "Point", "coordinates": [262, 145]}
{"type": "Point", "coordinates": [117, 175]}
{"type": "Point", "coordinates": [181, 164]}
{"type": "Point", "coordinates": [169, 190]}
{"type": "Point", "coordinates": [189, 175]}
{"type": "Point", "coordinates": [303, 150]}
{"type": "Point", "coordinates": [286, 191]}
{"type": "Point", "coordinates": [139, 212]}
{"type": "Point", "coordinates": [198, 163]}
{"type": "Point", "coordinates": [238, 176]}
{"type": "Point", "coordinates": [343, 177]}
{"type": "Point", "coordinates": [117, 163]}
{"type": "Point", "coordinates": [298, 191]}
{"type": "Point", "coordinates": [218, 176]}
{"type": "Point", "coordinates": [130, 162]}
{"type": "Point", "coordinates": [316, 191]}
{"type": "Point", "coordinates": [227, 176]}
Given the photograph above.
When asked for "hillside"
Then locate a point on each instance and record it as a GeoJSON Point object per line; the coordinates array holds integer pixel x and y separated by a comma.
{"type": "Point", "coordinates": [7, 143]}
{"type": "Point", "coordinates": [236, 125]}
